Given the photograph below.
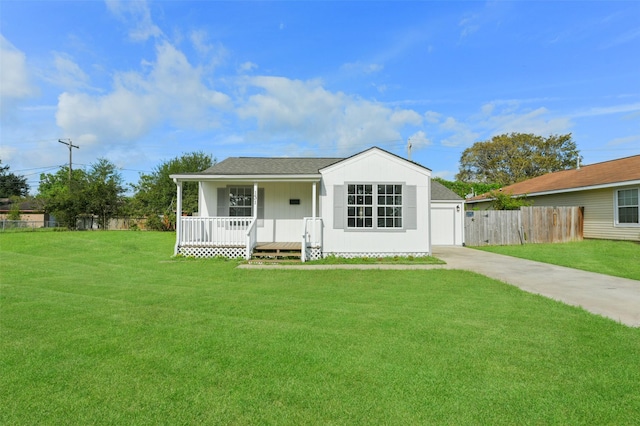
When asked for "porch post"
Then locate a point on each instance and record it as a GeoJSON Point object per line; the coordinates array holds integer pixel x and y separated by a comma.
{"type": "Point", "coordinates": [255, 200]}
{"type": "Point", "coordinates": [178, 216]}
{"type": "Point", "coordinates": [313, 215]}
{"type": "Point", "coordinates": [313, 201]}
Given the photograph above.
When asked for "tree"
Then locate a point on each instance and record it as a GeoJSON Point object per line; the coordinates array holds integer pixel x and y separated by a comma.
{"type": "Point", "coordinates": [97, 192]}
{"type": "Point", "coordinates": [506, 201]}
{"type": "Point", "coordinates": [12, 184]}
{"type": "Point", "coordinates": [514, 157]}
{"type": "Point", "coordinates": [14, 210]}
{"type": "Point", "coordinates": [63, 199]}
{"type": "Point", "coordinates": [466, 188]}
{"type": "Point", "coordinates": [155, 193]}
{"type": "Point", "coordinates": [104, 191]}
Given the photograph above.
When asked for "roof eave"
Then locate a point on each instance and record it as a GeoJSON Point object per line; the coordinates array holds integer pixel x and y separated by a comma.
{"type": "Point", "coordinates": [248, 177]}
{"type": "Point", "coordinates": [565, 190]}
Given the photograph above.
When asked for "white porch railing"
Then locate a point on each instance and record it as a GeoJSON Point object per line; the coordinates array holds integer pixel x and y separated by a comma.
{"type": "Point", "coordinates": [216, 231]}
{"type": "Point", "coordinates": [311, 235]}
{"type": "Point", "coordinates": [252, 239]}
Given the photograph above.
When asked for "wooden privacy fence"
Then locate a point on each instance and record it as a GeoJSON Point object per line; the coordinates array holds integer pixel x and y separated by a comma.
{"type": "Point", "coordinates": [527, 225]}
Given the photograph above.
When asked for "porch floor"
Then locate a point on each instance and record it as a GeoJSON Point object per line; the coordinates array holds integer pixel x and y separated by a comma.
{"type": "Point", "coordinates": [284, 246]}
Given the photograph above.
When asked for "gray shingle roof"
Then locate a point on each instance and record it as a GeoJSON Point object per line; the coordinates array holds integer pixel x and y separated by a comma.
{"type": "Point", "coordinates": [441, 192]}
{"type": "Point", "coordinates": [270, 166]}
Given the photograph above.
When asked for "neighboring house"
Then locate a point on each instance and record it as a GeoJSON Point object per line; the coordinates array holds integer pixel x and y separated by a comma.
{"type": "Point", "coordinates": [30, 213]}
{"type": "Point", "coordinates": [608, 191]}
{"type": "Point", "coordinates": [371, 204]}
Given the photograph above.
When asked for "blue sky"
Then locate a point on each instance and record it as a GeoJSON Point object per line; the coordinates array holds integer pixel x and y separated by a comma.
{"type": "Point", "coordinates": [140, 82]}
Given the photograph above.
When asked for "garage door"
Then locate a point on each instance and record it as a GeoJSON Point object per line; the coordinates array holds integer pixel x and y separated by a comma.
{"type": "Point", "coordinates": [443, 226]}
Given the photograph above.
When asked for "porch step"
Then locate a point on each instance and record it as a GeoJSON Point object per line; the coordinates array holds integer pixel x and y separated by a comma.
{"type": "Point", "coordinates": [277, 251]}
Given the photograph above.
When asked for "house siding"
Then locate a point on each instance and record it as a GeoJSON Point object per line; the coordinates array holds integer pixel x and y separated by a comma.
{"type": "Point", "coordinates": [375, 168]}
{"type": "Point", "coordinates": [599, 208]}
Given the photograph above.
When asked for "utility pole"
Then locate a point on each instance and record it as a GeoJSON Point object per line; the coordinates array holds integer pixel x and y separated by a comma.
{"type": "Point", "coordinates": [70, 145]}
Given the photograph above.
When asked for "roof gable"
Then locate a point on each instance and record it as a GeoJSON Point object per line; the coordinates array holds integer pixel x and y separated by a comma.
{"type": "Point", "coordinates": [606, 173]}
{"type": "Point", "coordinates": [375, 150]}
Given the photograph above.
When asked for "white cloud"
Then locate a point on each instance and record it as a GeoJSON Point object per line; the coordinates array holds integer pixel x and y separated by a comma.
{"type": "Point", "coordinates": [615, 109]}
{"type": "Point", "coordinates": [67, 73]}
{"type": "Point", "coordinates": [137, 15]}
{"type": "Point", "coordinates": [247, 67]}
{"type": "Point", "coordinates": [362, 68]}
{"type": "Point", "coordinates": [462, 134]}
{"type": "Point", "coordinates": [406, 116]}
{"type": "Point", "coordinates": [306, 112]}
{"type": "Point", "coordinates": [419, 139]}
{"type": "Point", "coordinates": [172, 91]}
{"type": "Point", "coordinates": [214, 52]}
{"type": "Point", "coordinates": [432, 117]}
{"type": "Point", "coordinates": [14, 78]}
{"type": "Point", "coordinates": [538, 121]}
{"type": "Point", "coordinates": [634, 139]}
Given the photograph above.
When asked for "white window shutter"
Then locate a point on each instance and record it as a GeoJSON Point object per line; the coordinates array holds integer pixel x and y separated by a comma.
{"type": "Point", "coordinates": [338, 207]}
{"type": "Point", "coordinates": [410, 207]}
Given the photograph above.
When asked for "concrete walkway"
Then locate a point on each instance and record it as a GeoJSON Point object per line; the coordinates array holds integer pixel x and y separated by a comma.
{"type": "Point", "coordinates": [612, 297]}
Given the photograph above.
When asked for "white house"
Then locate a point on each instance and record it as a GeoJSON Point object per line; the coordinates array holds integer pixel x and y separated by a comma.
{"type": "Point", "coordinates": [373, 203]}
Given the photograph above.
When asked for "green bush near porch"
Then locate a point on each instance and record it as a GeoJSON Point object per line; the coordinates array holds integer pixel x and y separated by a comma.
{"type": "Point", "coordinates": [108, 328]}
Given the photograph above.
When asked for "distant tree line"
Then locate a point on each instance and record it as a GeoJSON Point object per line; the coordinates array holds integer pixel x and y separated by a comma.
{"type": "Point", "coordinates": [99, 190]}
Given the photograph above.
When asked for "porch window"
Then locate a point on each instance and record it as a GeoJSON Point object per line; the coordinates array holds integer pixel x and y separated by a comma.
{"type": "Point", "coordinates": [389, 206]}
{"type": "Point", "coordinates": [360, 206]}
{"type": "Point", "coordinates": [240, 201]}
{"type": "Point", "coordinates": [627, 206]}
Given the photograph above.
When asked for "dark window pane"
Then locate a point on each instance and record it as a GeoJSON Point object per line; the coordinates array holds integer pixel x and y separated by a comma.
{"type": "Point", "coordinates": [368, 211]}
{"type": "Point", "coordinates": [351, 222]}
{"type": "Point", "coordinates": [351, 199]}
{"type": "Point", "coordinates": [398, 222]}
{"type": "Point", "coordinates": [628, 215]}
{"type": "Point", "coordinates": [398, 189]}
{"type": "Point", "coordinates": [381, 199]}
{"type": "Point", "coordinates": [351, 211]}
{"type": "Point", "coordinates": [368, 222]}
{"type": "Point", "coordinates": [351, 189]}
{"type": "Point", "coordinates": [368, 200]}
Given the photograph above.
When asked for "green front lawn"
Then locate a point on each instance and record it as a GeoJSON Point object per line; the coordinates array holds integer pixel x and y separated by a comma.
{"type": "Point", "coordinates": [617, 258]}
{"type": "Point", "coordinates": [107, 328]}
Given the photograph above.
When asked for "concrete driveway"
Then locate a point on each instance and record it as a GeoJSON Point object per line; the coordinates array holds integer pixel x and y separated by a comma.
{"type": "Point", "coordinates": [612, 297]}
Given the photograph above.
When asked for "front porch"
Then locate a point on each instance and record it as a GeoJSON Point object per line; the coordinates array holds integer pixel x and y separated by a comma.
{"type": "Point", "coordinates": [237, 237]}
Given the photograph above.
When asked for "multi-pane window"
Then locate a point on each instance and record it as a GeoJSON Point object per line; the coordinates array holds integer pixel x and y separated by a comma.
{"type": "Point", "coordinates": [240, 201]}
{"type": "Point", "coordinates": [360, 206]}
{"type": "Point", "coordinates": [370, 206]}
{"type": "Point", "coordinates": [627, 204]}
{"type": "Point", "coordinates": [389, 206]}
